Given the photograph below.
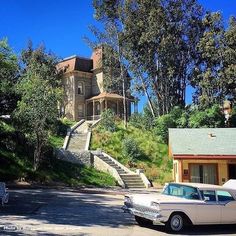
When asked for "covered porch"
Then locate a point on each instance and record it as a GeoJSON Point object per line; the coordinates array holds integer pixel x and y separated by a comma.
{"type": "Point", "coordinates": [97, 104]}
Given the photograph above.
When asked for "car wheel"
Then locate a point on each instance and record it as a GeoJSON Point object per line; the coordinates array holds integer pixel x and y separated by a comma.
{"type": "Point", "coordinates": [142, 221]}
{"type": "Point", "coordinates": [175, 223]}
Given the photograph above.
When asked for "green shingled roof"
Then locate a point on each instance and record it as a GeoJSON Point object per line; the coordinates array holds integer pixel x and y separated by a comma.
{"type": "Point", "coordinates": [203, 141]}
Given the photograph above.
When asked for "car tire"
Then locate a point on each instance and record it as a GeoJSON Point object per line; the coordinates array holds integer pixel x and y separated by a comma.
{"type": "Point", "coordinates": [175, 223]}
{"type": "Point", "coordinates": [142, 221]}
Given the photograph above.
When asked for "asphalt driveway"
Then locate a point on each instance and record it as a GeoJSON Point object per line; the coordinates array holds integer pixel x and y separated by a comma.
{"type": "Point", "coordinates": [68, 212]}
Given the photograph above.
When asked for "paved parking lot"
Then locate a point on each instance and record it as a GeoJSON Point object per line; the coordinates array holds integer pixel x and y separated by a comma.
{"type": "Point", "coordinates": [67, 212]}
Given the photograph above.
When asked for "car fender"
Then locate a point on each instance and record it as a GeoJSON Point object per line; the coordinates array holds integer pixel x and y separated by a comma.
{"type": "Point", "coordinates": [170, 209]}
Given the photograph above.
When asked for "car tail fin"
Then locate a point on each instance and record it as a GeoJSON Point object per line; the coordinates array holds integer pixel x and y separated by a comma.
{"type": "Point", "coordinates": [230, 184]}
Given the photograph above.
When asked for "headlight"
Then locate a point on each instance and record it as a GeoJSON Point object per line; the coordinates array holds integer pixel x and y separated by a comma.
{"type": "Point", "coordinates": [155, 205]}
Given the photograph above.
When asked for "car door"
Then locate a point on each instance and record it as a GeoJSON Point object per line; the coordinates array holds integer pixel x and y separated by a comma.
{"type": "Point", "coordinates": [209, 210]}
{"type": "Point", "coordinates": [228, 206]}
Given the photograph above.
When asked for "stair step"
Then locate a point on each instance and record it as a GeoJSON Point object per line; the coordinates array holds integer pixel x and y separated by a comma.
{"type": "Point", "coordinates": [110, 163]}
{"type": "Point", "coordinates": [133, 181]}
{"type": "Point", "coordinates": [116, 166]}
{"type": "Point", "coordinates": [134, 185]}
{"type": "Point", "coordinates": [132, 177]}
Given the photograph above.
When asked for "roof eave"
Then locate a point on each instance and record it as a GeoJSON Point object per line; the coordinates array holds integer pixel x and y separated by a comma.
{"type": "Point", "coordinates": [202, 156]}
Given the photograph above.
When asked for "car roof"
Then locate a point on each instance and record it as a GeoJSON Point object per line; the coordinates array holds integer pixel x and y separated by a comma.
{"type": "Point", "coordinates": [202, 186]}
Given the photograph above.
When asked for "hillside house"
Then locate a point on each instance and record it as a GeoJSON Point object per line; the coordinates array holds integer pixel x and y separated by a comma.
{"type": "Point", "coordinates": [85, 96]}
{"type": "Point", "coordinates": [206, 155]}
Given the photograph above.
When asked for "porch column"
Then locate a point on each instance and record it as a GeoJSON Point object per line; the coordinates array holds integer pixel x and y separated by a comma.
{"type": "Point", "coordinates": [93, 109]}
{"type": "Point", "coordinates": [128, 109]}
{"type": "Point", "coordinates": [117, 108]}
{"type": "Point", "coordinates": [106, 104]}
{"type": "Point", "coordinates": [136, 106]}
{"type": "Point", "coordinates": [101, 106]}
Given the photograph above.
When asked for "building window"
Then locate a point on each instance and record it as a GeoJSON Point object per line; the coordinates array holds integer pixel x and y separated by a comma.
{"type": "Point", "coordinates": [80, 88]}
{"type": "Point", "coordinates": [201, 173]}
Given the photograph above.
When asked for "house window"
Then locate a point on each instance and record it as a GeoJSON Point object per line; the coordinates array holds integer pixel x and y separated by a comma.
{"type": "Point", "coordinates": [203, 173]}
{"type": "Point", "coordinates": [80, 88]}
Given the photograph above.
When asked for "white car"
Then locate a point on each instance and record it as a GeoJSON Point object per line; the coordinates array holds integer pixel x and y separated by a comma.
{"type": "Point", "coordinates": [181, 204]}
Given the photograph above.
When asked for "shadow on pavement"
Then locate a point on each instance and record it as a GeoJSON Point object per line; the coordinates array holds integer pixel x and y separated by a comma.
{"type": "Point", "coordinates": [64, 208]}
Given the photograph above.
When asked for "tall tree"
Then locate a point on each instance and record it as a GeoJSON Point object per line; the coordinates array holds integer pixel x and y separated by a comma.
{"type": "Point", "coordinates": [40, 91]}
{"type": "Point", "coordinates": [110, 13]}
{"type": "Point", "coordinates": [210, 61]}
{"type": "Point", "coordinates": [158, 41]}
{"type": "Point", "coordinates": [229, 70]}
{"type": "Point", "coordinates": [162, 36]}
{"type": "Point", "coordinates": [214, 76]}
{"type": "Point", "coordinates": [9, 73]}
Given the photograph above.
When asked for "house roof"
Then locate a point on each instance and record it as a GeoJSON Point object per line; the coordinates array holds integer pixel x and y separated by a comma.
{"type": "Point", "coordinates": [203, 141]}
{"type": "Point", "coordinates": [75, 63]}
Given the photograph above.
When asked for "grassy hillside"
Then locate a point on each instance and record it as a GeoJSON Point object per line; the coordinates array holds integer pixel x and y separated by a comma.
{"type": "Point", "coordinates": [153, 154]}
{"type": "Point", "coordinates": [16, 163]}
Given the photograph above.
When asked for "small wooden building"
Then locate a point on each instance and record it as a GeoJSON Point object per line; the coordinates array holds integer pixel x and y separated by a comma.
{"type": "Point", "coordinates": [206, 155]}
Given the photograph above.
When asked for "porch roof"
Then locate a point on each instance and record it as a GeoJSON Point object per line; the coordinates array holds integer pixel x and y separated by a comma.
{"type": "Point", "coordinates": [106, 95]}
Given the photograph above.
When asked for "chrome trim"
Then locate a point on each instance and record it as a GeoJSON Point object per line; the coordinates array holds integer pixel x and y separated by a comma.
{"type": "Point", "coordinates": [154, 217]}
{"type": "Point", "coordinates": [189, 203]}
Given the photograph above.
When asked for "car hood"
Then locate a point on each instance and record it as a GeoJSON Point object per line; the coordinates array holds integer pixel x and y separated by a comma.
{"type": "Point", "coordinates": [146, 199]}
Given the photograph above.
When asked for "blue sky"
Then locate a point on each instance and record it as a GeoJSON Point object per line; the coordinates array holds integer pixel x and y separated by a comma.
{"type": "Point", "coordinates": [61, 24]}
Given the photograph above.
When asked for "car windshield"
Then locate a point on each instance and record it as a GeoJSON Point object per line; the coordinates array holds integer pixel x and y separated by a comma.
{"type": "Point", "coordinates": [182, 191]}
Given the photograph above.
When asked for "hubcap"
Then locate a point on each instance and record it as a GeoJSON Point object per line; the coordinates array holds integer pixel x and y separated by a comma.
{"type": "Point", "coordinates": [176, 223]}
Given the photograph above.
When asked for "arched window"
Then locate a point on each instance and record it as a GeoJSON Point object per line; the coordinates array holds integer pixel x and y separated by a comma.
{"type": "Point", "coordinates": [80, 88]}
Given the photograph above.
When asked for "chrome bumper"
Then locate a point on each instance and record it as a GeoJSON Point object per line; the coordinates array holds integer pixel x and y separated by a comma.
{"type": "Point", "coordinates": [156, 218]}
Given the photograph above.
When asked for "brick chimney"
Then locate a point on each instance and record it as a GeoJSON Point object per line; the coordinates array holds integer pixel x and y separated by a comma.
{"type": "Point", "coordinates": [97, 58]}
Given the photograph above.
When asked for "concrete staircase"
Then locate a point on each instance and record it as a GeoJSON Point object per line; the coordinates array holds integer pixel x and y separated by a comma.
{"type": "Point", "coordinates": [75, 150]}
{"type": "Point", "coordinates": [112, 164]}
{"type": "Point", "coordinates": [78, 137]}
{"type": "Point", "coordinates": [131, 180]}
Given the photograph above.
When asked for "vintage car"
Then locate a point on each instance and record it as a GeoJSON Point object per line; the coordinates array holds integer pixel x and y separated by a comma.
{"type": "Point", "coordinates": [181, 204]}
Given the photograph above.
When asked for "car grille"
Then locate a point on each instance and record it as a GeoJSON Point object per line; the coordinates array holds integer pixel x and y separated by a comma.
{"type": "Point", "coordinates": [144, 209]}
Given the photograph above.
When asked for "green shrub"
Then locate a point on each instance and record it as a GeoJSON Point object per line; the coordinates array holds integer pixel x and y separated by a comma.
{"type": "Point", "coordinates": [162, 124]}
{"type": "Point", "coordinates": [209, 118]}
{"type": "Point", "coordinates": [108, 121]}
{"type": "Point", "coordinates": [130, 149]}
{"type": "Point", "coordinates": [136, 120]}
{"type": "Point", "coordinates": [148, 119]}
